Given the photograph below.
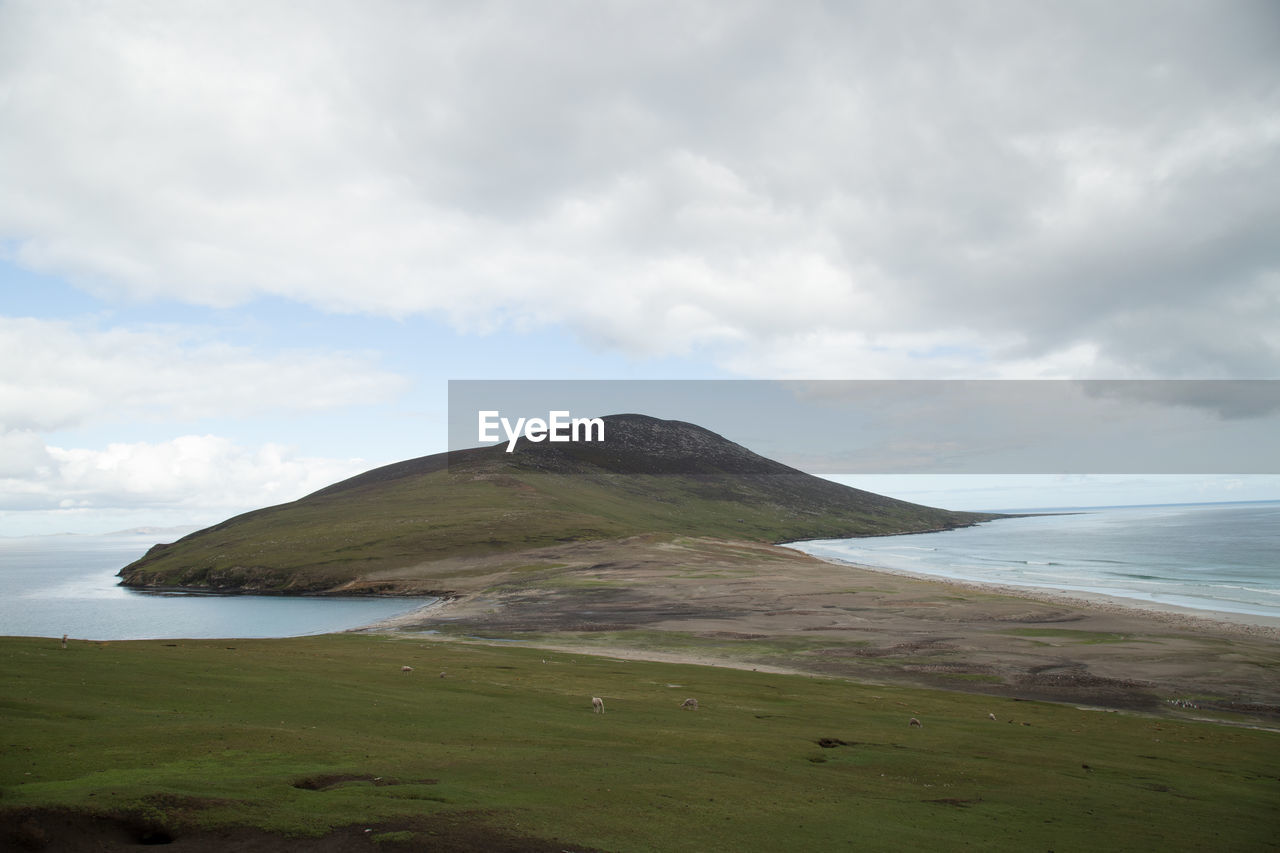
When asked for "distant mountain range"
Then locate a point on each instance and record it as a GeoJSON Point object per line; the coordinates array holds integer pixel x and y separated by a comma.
{"type": "Point", "coordinates": [649, 476]}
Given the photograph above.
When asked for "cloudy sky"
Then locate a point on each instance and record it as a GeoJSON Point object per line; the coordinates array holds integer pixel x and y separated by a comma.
{"type": "Point", "coordinates": [244, 246]}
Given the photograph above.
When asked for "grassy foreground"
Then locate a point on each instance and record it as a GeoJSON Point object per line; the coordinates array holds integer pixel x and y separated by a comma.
{"type": "Point", "coordinates": [301, 735]}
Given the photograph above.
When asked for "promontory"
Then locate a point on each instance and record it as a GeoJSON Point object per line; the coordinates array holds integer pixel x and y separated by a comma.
{"type": "Point", "coordinates": [429, 525]}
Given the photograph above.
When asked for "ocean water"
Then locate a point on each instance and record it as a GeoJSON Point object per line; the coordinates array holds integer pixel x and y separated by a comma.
{"type": "Point", "coordinates": [1217, 557]}
{"type": "Point", "coordinates": [55, 585]}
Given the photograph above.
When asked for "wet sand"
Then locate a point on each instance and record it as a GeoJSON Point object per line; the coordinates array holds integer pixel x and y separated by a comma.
{"type": "Point", "coordinates": [741, 604]}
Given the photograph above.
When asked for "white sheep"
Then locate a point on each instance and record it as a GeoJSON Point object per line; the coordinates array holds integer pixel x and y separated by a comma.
{"type": "Point", "coordinates": [691, 704]}
{"type": "Point", "coordinates": [406, 669]}
{"type": "Point", "coordinates": [915, 722]}
{"type": "Point", "coordinates": [991, 716]}
{"type": "Point", "coordinates": [597, 705]}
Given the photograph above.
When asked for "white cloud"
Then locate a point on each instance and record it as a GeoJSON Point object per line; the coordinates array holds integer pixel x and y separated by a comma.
{"type": "Point", "coordinates": [794, 188]}
{"type": "Point", "coordinates": [62, 374]}
{"type": "Point", "coordinates": [192, 479]}
{"type": "Point", "coordinates": [189, 471]}
{"type": "Point", "coordinates": [22, 453]}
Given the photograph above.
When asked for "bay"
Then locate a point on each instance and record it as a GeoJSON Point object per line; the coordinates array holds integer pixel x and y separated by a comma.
{"type": "Point", "coordinates": [55, 585]}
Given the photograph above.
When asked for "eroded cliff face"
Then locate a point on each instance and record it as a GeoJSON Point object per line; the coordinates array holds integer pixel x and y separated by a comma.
{"type": "Point", "coordinates": [234, 579]}
{"type": "Point", "coordinates": [266, 581]}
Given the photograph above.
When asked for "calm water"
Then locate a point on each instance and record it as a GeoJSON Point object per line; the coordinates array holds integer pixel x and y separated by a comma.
{"type": "Point", "coordinates": [55, 585]}
{"type": "Point", "coordinates": [1223, 557]}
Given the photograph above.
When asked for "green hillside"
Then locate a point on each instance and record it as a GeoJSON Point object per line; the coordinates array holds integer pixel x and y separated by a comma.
{"type": "Point", "coordinates": [651, 476]}
{"type": "Point", "coordinates": [317, 739]}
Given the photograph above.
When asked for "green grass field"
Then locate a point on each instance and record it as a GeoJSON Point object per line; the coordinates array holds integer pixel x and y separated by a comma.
{"type": "Point", "coordinates": [192, 735]}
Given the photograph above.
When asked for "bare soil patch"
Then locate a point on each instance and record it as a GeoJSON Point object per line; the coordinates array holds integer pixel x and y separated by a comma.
{"type": "Point", "coordinates": [67, 831]}
{"type": "Point", "coordinates": [330, 781]}
{"type": "Point", "coordinates": [769, 607]}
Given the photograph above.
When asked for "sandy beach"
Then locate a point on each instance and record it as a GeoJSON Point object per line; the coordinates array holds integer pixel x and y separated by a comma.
{"type": "Point", "coordinates": [724, 603]}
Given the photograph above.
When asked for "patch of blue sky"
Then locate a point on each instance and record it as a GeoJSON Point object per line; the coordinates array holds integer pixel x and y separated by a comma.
{"type": "Point", "coordinates": [424, 351]}
{"type": "Point", "coordinates": [421, 345]}
{"type": "Point", "coordinates": [965, 352]}
{"type": "Point", "coordinates": [28, 293]}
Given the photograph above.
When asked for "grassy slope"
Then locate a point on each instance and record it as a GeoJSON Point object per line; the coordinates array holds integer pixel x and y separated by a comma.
{"type": "Point", "coordinates": [217, 732]}
{"type": "Point", "coordinates": [342, 533]}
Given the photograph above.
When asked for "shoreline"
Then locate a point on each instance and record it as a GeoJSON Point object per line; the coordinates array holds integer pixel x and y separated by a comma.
{"type": "Point", "coordinates": [1251, 623]}
{"type": "Point", "coordinates": [752, 606]}
{"type": "Point", "coordinates": [404, 621]}
{"type": "Point", "coordinates": [1248, 623]}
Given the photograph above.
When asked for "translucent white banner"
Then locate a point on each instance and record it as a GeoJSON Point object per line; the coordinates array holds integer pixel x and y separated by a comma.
{"type": "Point", "coordinates": [914, 426]}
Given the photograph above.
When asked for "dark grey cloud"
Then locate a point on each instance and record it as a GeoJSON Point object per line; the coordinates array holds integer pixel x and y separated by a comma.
{"type": "Point", "coordinates": [1227, 400]}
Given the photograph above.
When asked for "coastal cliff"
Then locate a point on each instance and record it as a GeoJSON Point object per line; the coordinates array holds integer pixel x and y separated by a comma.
{"type": "Point", "coordinates": [381, 532]}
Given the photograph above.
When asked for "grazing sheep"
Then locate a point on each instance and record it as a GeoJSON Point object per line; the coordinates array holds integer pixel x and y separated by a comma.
{"type": "Point", "coordinates": [916, 723]}
{"type": "Point", "coordinates": [991, 716]}
{"type": "Point", "coordinates": [443, 674]}
{"type": "Point", "coordinates": [597, 705]}
{"type": "Point", "coordinates": [691, 704]}
{"type": "Point", "coordinates": [406, 669]}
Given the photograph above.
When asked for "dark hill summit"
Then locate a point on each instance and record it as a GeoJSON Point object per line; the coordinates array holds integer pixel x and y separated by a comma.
{"type": "Point", "coordinates": [648, 476]}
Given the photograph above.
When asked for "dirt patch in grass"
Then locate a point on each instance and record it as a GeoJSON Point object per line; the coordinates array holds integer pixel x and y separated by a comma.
{"type": "Point", "coordinates": [69, 831]}
{"type": "Point", "coordinates": [1074, 682]}
{"type": "Point", "coordinates": [330, 781]}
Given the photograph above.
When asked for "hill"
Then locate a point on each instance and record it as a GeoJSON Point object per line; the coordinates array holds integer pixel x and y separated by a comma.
{"type": "Point", "coordinates": [650, 476]}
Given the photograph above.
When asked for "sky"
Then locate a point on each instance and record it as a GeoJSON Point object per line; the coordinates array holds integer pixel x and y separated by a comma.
{"type": "Point", "coordinates": [244, 247]}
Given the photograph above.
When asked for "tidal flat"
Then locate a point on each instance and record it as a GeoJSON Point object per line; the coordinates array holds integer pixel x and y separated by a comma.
{"type": "Point", "coordinates": [699, 600]}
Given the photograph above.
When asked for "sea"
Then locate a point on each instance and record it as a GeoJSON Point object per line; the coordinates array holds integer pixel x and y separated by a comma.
{"type": "Point", "coordinates": [1212, 557]}
{"type": "Point", "coordinates": [66, 584]}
